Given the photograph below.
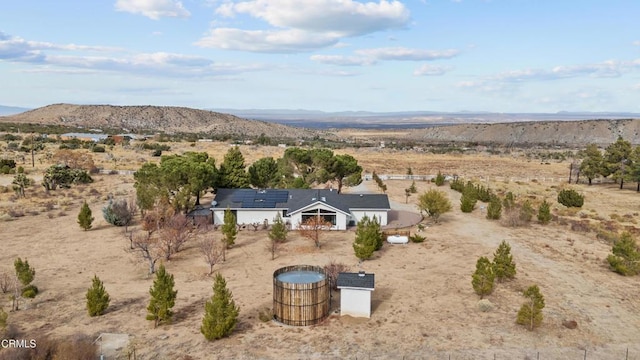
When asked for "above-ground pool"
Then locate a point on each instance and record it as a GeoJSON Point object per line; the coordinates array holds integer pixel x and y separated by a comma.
{"type": "Point", "coordinates": [300, 295]}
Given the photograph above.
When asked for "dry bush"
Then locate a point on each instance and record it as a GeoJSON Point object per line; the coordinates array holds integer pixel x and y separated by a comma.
{"type": "Point", "coordinates": [5, 282]}
{"type": "Point", "coordinates": [332, 269]}
{"type": "Point", "coordinates": [608, 236]}
{"type": "Point", "coordinates": [580, 226]}
{"type": "Point", "coordinates": [512, 218]}
{"type": "Point", "coordinates": [175, 232]}
{"type": "Point", "coordinates": [49, 205]}
{"type": "Point", "coordinates": [94, 192]}
{"type": "Point", "coordinates": [75, 348]}
{"type": "Point", "coordinates": [14, 213]}
{"type": "Point", "coordinates": [62, 213]}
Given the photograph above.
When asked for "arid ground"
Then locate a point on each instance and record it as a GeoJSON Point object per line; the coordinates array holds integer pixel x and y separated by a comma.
{"type": "Point", "coordinates": [423, 305]}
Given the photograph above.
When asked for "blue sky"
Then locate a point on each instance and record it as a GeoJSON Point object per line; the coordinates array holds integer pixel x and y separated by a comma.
{"type": "Point", "coordinates": [331, 55]}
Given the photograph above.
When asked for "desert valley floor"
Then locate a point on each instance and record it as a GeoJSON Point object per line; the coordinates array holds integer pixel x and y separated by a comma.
{"type": "Point", "coordinates": [423, 306]}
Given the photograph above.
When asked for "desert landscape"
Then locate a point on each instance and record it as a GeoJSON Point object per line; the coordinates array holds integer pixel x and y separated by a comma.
{"type": "Point", "coordinates": [423, 306]}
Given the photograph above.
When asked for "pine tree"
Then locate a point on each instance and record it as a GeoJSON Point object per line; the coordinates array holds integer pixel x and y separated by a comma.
{"type": "Point", "coordinates": [365, 242]}
{"type": "Point", "coordinates": [503, 265]}
{"type": "Point", "coordinates": [84, 217]}
{"type": "Point", "coordinates": [544, 213]}
{"type": "Point", "coordinates": [277, 235]}
{"type": "Point", "coordinates": [439, 180]}
{"type": "Point", "coordinates": [97, 298]}
{"type": "Point", "coordinates": [494, 210]}
{"type": "Point", "coordinates": [24, 271]}
{"type": "Point", "coordinates": [232, 170]}
{"type": "Point", "coordinates": [221, 312]}
{"type": "Point", "coordinates": [467, 201]}
{"type": "Point", "coordinates": [163, 297]}
{"type": "Point", "coordinates": [530, 313]}
{"type": "Point", "coordinates": [625, 259]}
{"type": "Point", "coordinates": [25, 275]}
{"type": "Point", "coordinates": [229, 228]}
{"type": "Point", "coordinates": [483, 277]}
{"type": "Point", "coordinates": [278, 230]}
{"type": "Point", "coordinates": [413, 189]}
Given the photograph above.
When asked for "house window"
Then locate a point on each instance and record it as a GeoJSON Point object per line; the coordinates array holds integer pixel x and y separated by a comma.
{"type": "Point", "coordinates": [326, 215]}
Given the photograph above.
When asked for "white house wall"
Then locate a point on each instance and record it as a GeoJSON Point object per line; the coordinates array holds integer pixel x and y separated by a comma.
{"type": "Point", "coordinates": [248, 216]}
{"type": "Point", "coordinates": [380, 214]}
{"type": "Point", "coordinates": [355, 302]}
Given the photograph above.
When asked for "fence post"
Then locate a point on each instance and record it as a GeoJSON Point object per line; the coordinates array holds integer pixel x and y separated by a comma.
{"type": "Point", "coordinates": [585, 354]}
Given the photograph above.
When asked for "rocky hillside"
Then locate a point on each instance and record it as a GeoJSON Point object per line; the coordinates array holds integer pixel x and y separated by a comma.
{"type": "Point", "coordinates": [601, 132]}
{"type": "Point", "coordinates": [154, 118]}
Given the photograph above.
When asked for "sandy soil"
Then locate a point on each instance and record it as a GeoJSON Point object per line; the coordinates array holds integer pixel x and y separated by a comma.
{"type": "Point", "coordinates": [423, 307]}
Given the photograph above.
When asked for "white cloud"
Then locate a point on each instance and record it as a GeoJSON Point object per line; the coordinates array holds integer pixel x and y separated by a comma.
{"type": "Point", "coordinates": [16, 48]}
{"type": "Point", "coordinates": [316, 23]}
{"type": "Point", "coordinates": [431, 70]}
{"type": "Point", "coordinates": [402, 53]}
{"type": "Point", "coordinates": [604, 69]}
{"type": "Point", "coordinates": [153, 9]}
{"type": "Point", "coordinates": [343, 60]}
{"type": "Point", "coordinates": [266, 41]}
{"type": "Point", "coordinates": [48, 58]}
{"type": "Point", "coordinates": [374, 55]}
{"type": "Point", "coordinates": [636, 43]}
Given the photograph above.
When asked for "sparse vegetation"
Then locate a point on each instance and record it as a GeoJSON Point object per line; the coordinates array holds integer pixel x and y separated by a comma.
{"type": "Point", "coordinates": [332, 269]}
{"type": "Point", "coordinates": [439, 180]}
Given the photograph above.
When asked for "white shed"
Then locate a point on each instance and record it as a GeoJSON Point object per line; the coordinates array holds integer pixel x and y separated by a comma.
{"type": "Point", "coordinates": [355, 293]}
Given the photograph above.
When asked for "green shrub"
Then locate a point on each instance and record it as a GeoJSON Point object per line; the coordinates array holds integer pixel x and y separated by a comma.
{"type": "Point", "coordinates": [494, 210]}
{"type": "Point", "coordinates": [30, 291]}
{"type": "Point", "coordinates": [439, 180]}
{"type": "Point", "coordinates": [544, 213]}
{"type": "Point", "coordinates": [570, 198]}
{"type": "Point", "coordinates": [625, 259]}
{"type": "Point", "coordinates": [98, 149]}
{"type": "Point", "coordinates": [457, 185]}
{"type": "Point", "coordinates": [416, 238]}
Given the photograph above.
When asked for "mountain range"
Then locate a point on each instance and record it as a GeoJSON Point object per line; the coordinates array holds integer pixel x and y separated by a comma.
{"type": "Point", "coordinates": [563, 128]}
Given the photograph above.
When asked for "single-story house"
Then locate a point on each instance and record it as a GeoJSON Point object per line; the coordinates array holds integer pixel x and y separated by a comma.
{"type": "Point", "coordinates": [297, 205]}
{"type": "Point", "coordinates": [355, 293]}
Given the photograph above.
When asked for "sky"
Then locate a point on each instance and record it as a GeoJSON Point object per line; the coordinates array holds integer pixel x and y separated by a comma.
{"type": "Point", "coordinates": [330, 55]}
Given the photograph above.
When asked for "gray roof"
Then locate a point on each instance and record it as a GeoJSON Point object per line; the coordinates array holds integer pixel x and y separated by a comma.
{"type": "Point", "coordinates": [356, 280]}
{"type": "Point", "coordinates": [294, 200]}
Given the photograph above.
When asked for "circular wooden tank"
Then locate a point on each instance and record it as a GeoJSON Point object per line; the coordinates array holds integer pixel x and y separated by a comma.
{"type": "Point", "coordinates": [300, 295]}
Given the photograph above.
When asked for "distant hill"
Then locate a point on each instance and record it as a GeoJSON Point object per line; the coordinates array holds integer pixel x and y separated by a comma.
{"type": "Point", "coordinates": [154, 118]}
{"type": "Point", "coordinates": [11, 110]}
{"type": "Point", "coordinates": [602, 132]}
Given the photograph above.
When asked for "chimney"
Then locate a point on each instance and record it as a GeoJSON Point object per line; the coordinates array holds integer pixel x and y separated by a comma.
{"type": "Point", "coordinates": [361, 273]}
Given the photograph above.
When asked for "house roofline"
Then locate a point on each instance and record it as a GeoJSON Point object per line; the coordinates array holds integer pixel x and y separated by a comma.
{"type": "Point", "coordinates": [355, 288]}
{"type": "Point", "coordinates": [317, 202]}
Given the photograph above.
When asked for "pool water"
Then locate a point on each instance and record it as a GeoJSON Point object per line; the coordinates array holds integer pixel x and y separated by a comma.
{"type": "Point", "coordinates": [301, 277]}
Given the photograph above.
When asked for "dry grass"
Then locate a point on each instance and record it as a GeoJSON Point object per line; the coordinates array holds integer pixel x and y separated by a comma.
{"type": "Point", "coordinates": [423, 297]}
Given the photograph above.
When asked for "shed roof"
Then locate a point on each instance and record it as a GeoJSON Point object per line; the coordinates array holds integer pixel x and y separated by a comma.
{"type": "Point", "coordinates": [356, 280]}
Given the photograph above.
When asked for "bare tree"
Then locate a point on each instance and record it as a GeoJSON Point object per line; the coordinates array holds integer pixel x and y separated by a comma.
{"type": "Point", "coordinates": [255, 225]}
{"type": "Point", "coordinates": [176, 231]}
{"type": "Point", "coordinates": [5, 282]}
{"type": "Point", "coordinates": [312, 227]}
{"type": "Point", "coordinates": [212, 251]}
{"type": "Point", "coordinates": [17, 294]}
{"type": "Point", "coordinates": [147, 247]}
